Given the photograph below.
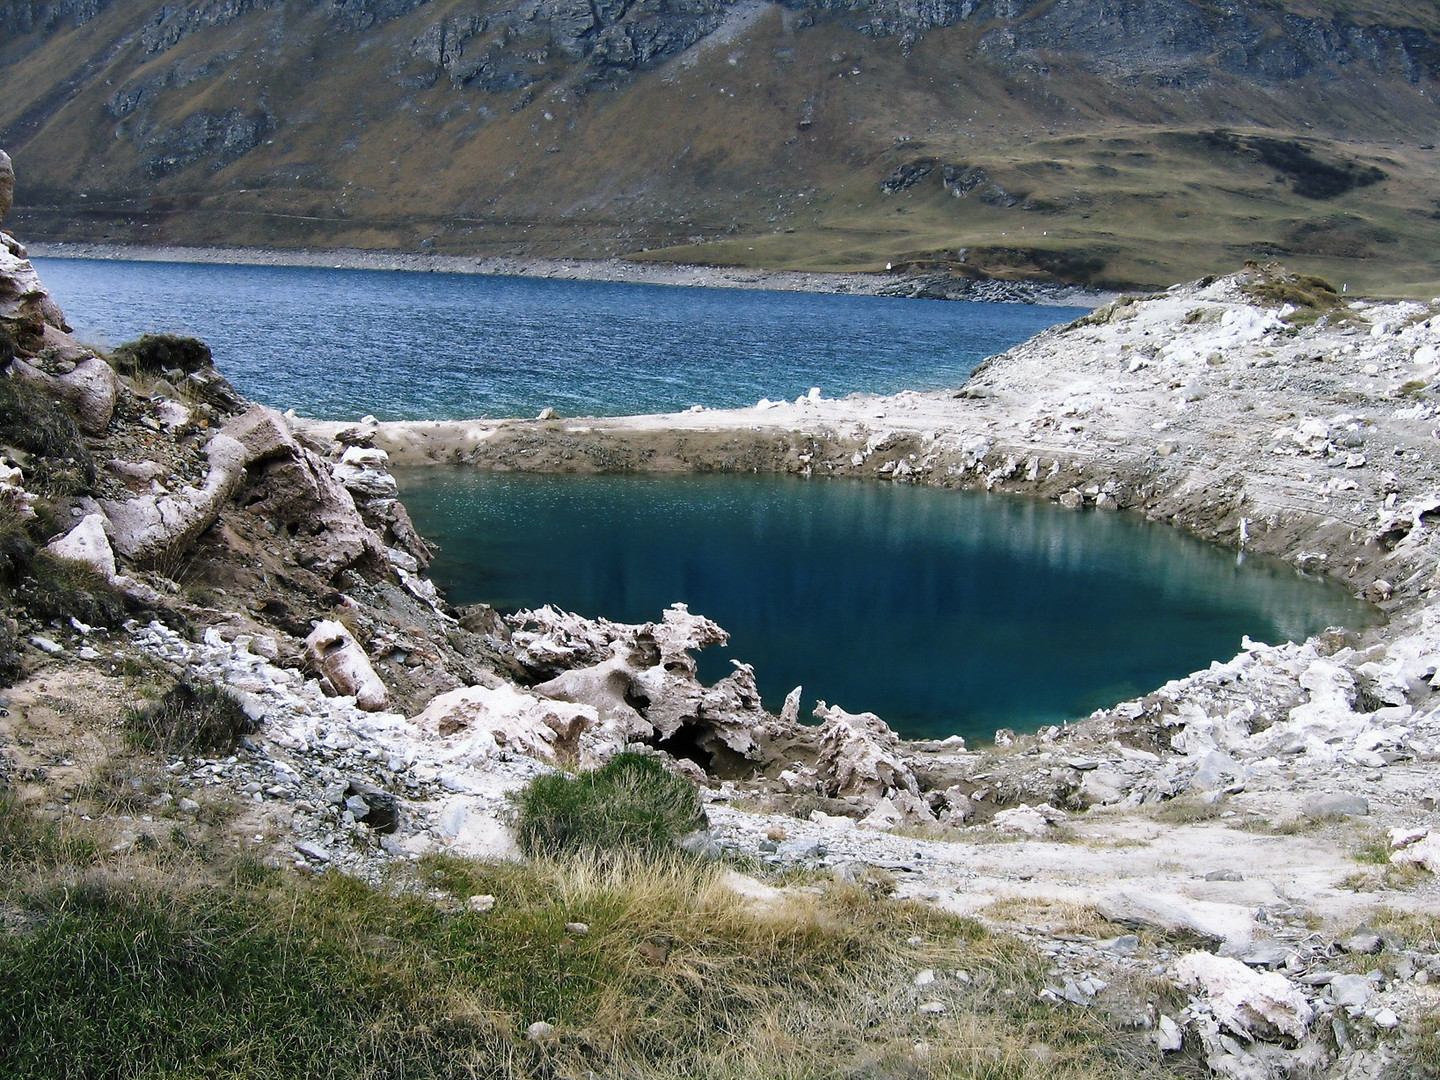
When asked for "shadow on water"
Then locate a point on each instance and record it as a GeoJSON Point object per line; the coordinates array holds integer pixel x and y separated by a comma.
{"type": "Point", "coordinates": [944, 612]}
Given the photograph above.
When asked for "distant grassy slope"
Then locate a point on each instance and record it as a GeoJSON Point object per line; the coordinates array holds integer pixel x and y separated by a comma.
{"type": "Point", "coordinates": [767, 143]}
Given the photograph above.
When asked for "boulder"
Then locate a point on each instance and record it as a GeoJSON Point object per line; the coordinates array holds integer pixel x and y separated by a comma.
{"type": "Point", "coordinates": [607, 688]}
{"type": "Point", "coordinates": [1337, 804]}
{"type": "Point", "coordinates": [1228, 924]}
{"type": "Point", "coordinates": [479, 722]}
{"type": "Point", "coordinates": [86, 543]}
{"type": "Point", "coordinates": [264, 433]}
{"type": "Point", "coordinates": [1412, 850]}
{"type": "Point", "coordinates": [884, 816]}
{"type": "Point", "coordinates": [860, 755]}
{"type": "Point", "coordinates": [151, 525]}
{"type": "Point", "coordinates": [26, 309]}
{"type": "Point", "coordinates": [363, 471]}
{"type": "Point", "coordinates": [298, 493]}
{"type": "Point", "coordinates": [1028, 820]}
{"type": "Point", "coordinates": [641, 680]}
{"type": "Point", "coordinates": [340, 659]}
{"type": "Point", "coordinates": [91, 388]}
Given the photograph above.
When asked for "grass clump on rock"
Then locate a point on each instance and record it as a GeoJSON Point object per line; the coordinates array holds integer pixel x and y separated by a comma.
{"type": "Point", "coordinates": [190, 718]}
{"type": "Point", "coordinates": [154, 354]}
{"type": "Point", "coordinates": [632, 802]}
{"type": "Point", "coordinates": [56, 590]}
{"type": "Point", "coordinates": [31, 421]}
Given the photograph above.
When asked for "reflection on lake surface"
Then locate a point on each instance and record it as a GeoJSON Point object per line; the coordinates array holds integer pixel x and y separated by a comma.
{"type": "Point", "coordinates": [944, 612]}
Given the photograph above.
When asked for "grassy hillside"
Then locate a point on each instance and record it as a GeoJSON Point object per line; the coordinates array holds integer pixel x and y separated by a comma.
{"type": "Point", "coordinates": [769, 142]}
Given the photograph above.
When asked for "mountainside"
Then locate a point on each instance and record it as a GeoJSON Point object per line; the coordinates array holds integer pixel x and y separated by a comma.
{"type": "Point", "coordinates": [1115, 142]}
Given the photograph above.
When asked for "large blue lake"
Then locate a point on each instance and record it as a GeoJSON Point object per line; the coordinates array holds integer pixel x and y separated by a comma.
{"type": "Point", "coordinates": [338, 344]}
{"type": "Point", "coordinates": [943, 612]}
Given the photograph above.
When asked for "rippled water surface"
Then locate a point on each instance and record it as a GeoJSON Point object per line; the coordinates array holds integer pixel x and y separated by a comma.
{"type": "Point", "coordinates": [944, 612]}
{"type": "Point", "coordinates": [338, 344]}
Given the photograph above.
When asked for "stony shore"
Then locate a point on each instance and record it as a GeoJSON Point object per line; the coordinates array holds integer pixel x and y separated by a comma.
{"type": "Point", "coordinates": [1240, 863]}
{"type": "Point", "coordinates": [1257, 804]}
{"type": "Point", "coordinates": [928, 286]}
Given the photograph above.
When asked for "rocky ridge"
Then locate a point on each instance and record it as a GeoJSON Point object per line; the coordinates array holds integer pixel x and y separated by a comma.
{"type": "Point", "coordinates": [989, 141]}
{"type": "Point", "coordinates": [1202, 837]}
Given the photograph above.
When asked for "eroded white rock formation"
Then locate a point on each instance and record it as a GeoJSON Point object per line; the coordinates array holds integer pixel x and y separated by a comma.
{"type": "Point", "coordinates": [343, 663]}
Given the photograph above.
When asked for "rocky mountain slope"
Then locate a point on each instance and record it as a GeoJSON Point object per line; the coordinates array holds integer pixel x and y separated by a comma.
{"type": "Point", "coordinates": [1110, 143]}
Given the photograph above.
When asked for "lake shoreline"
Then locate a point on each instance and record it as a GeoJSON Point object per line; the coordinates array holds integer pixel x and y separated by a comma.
{"type": "Point", "coordinates": [682, 275]}
{"type": "Point", "coordinates": [1263, 807]}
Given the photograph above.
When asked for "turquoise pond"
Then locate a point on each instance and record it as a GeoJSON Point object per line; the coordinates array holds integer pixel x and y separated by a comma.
{"type": "Point", "coordinates": [944, 612]}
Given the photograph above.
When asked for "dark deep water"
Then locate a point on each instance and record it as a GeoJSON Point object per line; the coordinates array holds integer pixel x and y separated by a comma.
{"type": "Point", "coordinates": [944, 612]}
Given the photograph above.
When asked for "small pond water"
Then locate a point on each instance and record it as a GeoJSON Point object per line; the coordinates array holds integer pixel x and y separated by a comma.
{"type": "Point", "coordinates": [944, 612]}
{"type": "Point", "coordinates": [338, 344]}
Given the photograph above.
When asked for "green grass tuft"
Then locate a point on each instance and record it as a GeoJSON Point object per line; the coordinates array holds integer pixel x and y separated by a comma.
{"type": "Point", "coordinates": [632, 802]}
{"type": "Point", "coordinates": [154, 354]}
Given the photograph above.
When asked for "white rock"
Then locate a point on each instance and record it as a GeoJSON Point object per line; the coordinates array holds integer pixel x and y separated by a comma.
{"type": "Point", "coordinates": [1253, 1004]}
{"type": "Point", "coordinates": [1173, 913]}
{"type": "Point", "coordinates": [87, 543]}
{"type": "Point", "coordinates": [886, 815]}
{"type": "Point", "coordinates": [1424, 852]}
{"type": "Point", "coordinates": [344, 664]}
{"type": "Point", "coordinates": [151, 524]}
{"type": "Point", "coordinates": [861, 755]}
{"type": "Point", "coordinates": [1027, 819]}
{"type": "Point", "coordinates": [477, 722]}
{"type": "Point", "coordinates": [1168, 1036]}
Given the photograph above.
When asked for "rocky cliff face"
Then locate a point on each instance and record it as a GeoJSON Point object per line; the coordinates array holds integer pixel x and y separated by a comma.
{"type": "Point", "coordinates": [571, 127]}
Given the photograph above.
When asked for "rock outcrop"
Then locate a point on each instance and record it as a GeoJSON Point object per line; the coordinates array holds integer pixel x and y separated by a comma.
{"type": "Point", "coordinates": [7, 185]}
{"type": "Point", "coordinates": [642, 682]}
{"type": "Point", "coordinates": [343, 665]}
